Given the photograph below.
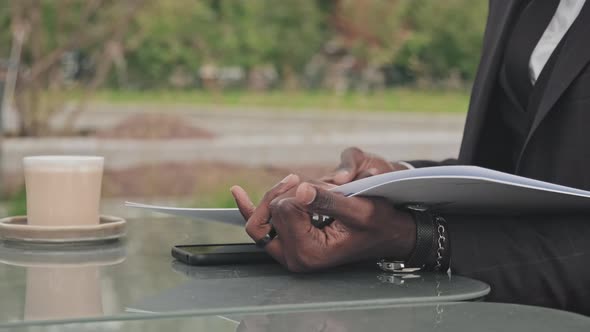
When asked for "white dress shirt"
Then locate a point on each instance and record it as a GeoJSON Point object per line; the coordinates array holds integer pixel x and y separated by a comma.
{"type": "Point", "coordinates": [566, 13]}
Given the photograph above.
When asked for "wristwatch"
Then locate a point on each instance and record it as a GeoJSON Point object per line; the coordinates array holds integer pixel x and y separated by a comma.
{"type": "Point", "coordinates": [432, 250]}
{"type": "Point", "coordinates": [423, 250]}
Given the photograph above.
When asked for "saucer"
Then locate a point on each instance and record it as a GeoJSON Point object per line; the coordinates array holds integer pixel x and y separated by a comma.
{"type": "Point", "coordinates": [16, 229]}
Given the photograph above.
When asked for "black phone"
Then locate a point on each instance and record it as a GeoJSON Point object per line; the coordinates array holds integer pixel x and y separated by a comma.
{"type": "Point", "coordinates": [218, 254]}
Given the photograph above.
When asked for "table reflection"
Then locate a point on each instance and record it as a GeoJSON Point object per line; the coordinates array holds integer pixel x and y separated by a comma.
{"type": "Point", "coordinates": [444, 317]}
{"type": "Point", "coordinates": [63, 292]}
{"type": "Point", "coordinates": [62, 282]}
{"type": "Point", "coordinates": [269, 286]}
{"type": "Point", "coordinates": [87, 283]}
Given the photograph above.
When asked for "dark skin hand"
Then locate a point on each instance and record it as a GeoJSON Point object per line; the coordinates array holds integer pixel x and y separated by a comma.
{"type": "Point", "coordinates": [356, 164]}
{"type": "Point", "coordinates": [364, 228]}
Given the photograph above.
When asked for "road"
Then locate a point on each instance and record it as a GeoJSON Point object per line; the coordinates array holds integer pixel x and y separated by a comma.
{"type": "Point", "coordinates": [255, 137]}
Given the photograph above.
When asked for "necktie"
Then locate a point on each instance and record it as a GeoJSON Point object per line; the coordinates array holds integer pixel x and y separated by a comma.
{"type": "Point", "coordinates": [525, 35]}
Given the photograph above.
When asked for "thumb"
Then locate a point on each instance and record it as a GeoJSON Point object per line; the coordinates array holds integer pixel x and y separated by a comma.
{"type": "Point", "coordinates": [350, 161]}
{"type": "Point", "coordinates": [350, 210]}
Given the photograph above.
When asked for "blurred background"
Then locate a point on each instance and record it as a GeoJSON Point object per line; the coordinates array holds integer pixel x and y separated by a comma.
{"type": "Point", "coordinates": [185, 98]}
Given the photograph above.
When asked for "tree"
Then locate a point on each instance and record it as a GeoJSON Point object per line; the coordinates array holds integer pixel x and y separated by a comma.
{"type": "Point", "coordinates": [189, 34]}
{"type": "Point", "coordinates": [51, 30]}
{"type": "Point", "coordinates": [446, 38]}
{"type": "Point", "coordinates": [375, 30]}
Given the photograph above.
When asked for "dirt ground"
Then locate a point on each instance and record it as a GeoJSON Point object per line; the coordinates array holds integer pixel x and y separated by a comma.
{"type": "Point", "coordinates": [154, 126]}
{"type": "Point", "coordinates": [185, 179]}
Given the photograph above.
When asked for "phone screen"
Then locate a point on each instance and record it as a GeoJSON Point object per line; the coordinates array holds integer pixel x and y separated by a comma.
{"type": "Point", "coordinates": [221, 249]}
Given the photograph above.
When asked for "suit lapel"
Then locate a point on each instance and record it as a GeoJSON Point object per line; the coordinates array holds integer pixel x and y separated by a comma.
{"type": "Point", "coordinates": [498, 21]}
{"type": "Point", "coordinates": [574, 56]}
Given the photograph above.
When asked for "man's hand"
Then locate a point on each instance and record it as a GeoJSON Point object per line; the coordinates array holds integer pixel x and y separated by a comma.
{"type": "Point", "coordinates": [356, 164]}
{"type": "Point", "coordinates": [365, 228]}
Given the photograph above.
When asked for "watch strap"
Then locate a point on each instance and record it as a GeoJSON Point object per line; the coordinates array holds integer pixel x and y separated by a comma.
{"type": "Point", "coordinates": [423, 250]}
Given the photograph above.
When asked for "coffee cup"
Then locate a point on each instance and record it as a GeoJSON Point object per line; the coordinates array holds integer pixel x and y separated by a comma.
{"type": "Point", "coordinates": [63, 190]}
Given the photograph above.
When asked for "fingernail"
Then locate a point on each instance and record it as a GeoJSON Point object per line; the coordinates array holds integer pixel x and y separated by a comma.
{"type": "Point", "coordinates": [307, 193]}
{"type": "Point", "coordinates": [342, 176]}
{"type": "Point", "coordinates": [343, 172]}
{"type": "Point", "coordinates": [373, 171]}
{"type": "Point", "coordinates": [287, 178]}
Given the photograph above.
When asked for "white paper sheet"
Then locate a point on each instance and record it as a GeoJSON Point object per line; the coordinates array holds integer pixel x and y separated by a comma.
{"type": "Point", "coordinates": [227, 216]}
{"type": "Point", "coordinates": [457, 189]}
{"type": "Point", "coordinates": [469, 189]}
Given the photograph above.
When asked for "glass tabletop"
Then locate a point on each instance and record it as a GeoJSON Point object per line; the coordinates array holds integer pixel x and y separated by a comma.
{"type": "Point", "coordinates": [138, 278]}
{"type": "Point", "coordinates": [443, 317]}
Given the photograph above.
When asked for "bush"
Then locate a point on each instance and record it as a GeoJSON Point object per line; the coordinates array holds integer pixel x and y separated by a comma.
{"type": "Point", "coordinates": [17, 204]}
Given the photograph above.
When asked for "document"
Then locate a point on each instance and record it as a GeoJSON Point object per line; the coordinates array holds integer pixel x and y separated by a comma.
{"type": "Point", "coordinates": [455, 189]}
{"type": "Point", "coordinates": [227, 216]}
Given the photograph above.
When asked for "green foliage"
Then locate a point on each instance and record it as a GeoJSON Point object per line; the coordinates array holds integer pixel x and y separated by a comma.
{"type": "Point", "coordinates": [446, 38]}
{"type": "Point", "coordinates": [375, 30]}
{"type": "Point", "coordinates": [419, 38]}
{"type": "Point", "coordinates": [168, 34]}
{"type": "Point", "coordinates": [5, 38]}
{"type": "Point", "coordinates": [394, 100]}
{"type": "Point", "coordinates": [185, 34]}
{"type": "Point", "coordinates": [17, 204]}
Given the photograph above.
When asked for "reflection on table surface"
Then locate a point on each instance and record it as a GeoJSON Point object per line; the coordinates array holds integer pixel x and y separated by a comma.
{"type": "Point", "coordinates": [444, 317]}
{"type": "Point", "coordinates": [138, 277]}
{"type": "Point", "coordinates": [269, 287]}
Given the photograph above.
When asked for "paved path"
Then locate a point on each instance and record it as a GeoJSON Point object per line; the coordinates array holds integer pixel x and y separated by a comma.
{"type": "Point", "coordinates": [256, 137]}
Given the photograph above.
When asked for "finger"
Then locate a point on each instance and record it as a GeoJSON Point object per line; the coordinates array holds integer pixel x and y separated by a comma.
{"type": "Point", "coordinates": [262, 213]}
{"type": "Point", "coordinates": [259, 231]}
{"type": "Point", "coordinates": [258, 223]}
{"type": "Point", "coordinates": [256, 232]}
{"type": "Point", "coordinates": [367, 173]}
{"type": "Point", "coordinates": [350, 160]}
{"type": "Point", "coordinates": [301, 247]}
{"type": "Point", "coordinates": [352, 211]}
{"type": "Point", "coordinates": [244, 203]}
{"type": "Point", "coordinates": [321, 184]}
{"type": "Point", "coordinates": [307, 247]}
{"type": "Point", "coordinates": [275, 249]}
{"type": "Point", "coordinates": [290, 217]}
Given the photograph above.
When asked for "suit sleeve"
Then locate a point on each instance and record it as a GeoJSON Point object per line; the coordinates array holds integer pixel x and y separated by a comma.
{"type": "Point", "coordinates": [431, 163]}
{"type": "Point", "coordinates": [535, 260]}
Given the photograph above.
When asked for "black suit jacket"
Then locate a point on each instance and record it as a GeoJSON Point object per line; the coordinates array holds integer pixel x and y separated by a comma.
{"type": "Point", "coordinates": [531, 259]}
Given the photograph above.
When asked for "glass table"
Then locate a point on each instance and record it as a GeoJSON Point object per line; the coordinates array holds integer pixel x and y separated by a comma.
{"type": "Point", "coordinates": [137, 278]}
{"type": "Point", "coordinates": [443, 317]}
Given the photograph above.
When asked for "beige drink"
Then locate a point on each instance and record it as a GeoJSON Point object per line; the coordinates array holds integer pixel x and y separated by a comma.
{"type": "Point", "coordinates": [63, 190]}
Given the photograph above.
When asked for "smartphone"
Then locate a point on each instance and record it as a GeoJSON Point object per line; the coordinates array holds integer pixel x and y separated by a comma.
{"type": "Point", "coordinates": [218, 254]}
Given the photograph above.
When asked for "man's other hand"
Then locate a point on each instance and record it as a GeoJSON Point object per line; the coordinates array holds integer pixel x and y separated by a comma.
{"type": "Point", "coordinates": [356, 164]}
